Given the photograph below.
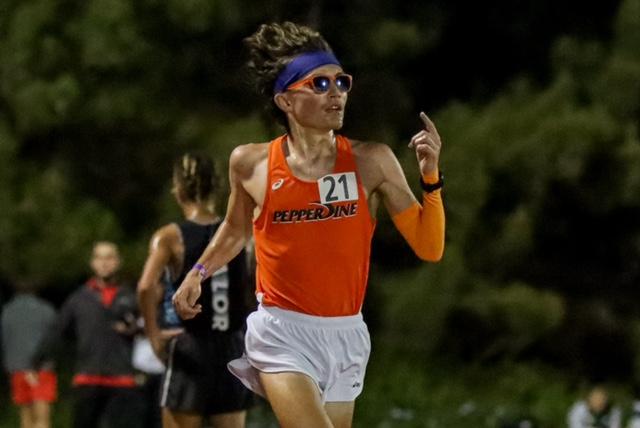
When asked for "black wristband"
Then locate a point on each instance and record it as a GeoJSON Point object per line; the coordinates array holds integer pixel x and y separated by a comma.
{"type": "Point", "coordinates": [428, 188]}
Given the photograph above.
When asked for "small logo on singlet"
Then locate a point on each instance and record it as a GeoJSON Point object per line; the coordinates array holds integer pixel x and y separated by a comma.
{"type": "Point", "coordinates": [277, 184]}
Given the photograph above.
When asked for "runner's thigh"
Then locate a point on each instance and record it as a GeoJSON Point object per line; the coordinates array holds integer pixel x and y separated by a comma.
{"type": "Point", "coordinates": [295, 399]}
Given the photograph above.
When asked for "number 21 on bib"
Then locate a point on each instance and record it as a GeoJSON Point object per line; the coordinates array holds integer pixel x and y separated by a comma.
{"type": "Point", "coordinates": [336, 188]}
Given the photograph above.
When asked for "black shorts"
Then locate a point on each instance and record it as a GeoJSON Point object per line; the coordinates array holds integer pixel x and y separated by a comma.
{"type": "Point", "coordinates": [197, 379]}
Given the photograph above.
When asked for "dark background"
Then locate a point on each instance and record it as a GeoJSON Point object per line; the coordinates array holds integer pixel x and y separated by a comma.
{"type": "Point", "coordinates": [538, 104]}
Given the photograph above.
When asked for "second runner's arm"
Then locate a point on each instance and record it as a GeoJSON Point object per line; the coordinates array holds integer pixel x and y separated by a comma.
{"type": "Point", "coordinates": [150, 289]}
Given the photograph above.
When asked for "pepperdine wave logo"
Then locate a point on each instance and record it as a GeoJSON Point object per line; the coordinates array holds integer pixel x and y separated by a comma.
{"type": "Point", "coordinates": [316, 212]}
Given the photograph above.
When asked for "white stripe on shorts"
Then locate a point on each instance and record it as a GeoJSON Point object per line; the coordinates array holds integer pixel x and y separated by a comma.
{"type": "Point", "coordinates": [168, 373]}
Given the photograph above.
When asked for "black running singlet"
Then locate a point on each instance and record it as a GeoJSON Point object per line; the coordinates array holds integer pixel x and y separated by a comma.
{"type": "Point", "coordinates": [223, 297]}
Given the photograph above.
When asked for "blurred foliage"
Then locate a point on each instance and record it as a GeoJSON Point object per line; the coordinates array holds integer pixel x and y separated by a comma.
{"type": "Point", "coordinates": [415, 392]}
{"type": "Point", "coordinates": [539, 110]}
{"type": "Point", "coordinates": [494, 322]}
{"type": "Point", "coordinates": [542, 208]}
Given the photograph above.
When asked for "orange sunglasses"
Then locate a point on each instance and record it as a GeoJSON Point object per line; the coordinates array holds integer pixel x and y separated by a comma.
{"type": "Point", "coordinates": [321, 84]}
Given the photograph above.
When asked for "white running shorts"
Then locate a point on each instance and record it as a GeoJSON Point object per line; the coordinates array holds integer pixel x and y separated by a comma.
{"type": "Point", "coordinates": [333, 351]}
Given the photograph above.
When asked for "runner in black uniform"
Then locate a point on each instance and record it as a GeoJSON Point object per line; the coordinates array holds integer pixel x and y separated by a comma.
{"type": "Point", "coordinates": [197, 383]}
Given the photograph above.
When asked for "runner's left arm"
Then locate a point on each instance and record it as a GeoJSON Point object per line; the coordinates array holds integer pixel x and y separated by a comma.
{"type": "Point", "coordinates": [421, 224]}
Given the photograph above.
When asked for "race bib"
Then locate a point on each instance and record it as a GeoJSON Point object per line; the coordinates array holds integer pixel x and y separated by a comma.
{"type": "Point", "coordinates": [336, 188]}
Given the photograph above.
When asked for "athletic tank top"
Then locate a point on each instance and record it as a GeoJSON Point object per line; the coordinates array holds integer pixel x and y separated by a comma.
{"type": "Point", "coordinates": [313, 238]}
{"type": "Point", "coordinates": [223, 298]}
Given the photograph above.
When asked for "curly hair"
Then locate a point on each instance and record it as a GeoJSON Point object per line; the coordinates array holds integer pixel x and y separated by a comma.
{"type": "Point", "coordinates": [195, 177]}
{"type": "Point", "coordinates": [271, 48]}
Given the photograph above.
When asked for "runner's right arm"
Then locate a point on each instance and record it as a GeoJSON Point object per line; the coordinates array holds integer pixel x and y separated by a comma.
{"type": "Point", "coordinates": [229, 240]}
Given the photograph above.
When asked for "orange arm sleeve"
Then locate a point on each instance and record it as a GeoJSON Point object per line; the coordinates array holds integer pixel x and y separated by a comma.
{"type": "Point", "coordinates": [423, 226]}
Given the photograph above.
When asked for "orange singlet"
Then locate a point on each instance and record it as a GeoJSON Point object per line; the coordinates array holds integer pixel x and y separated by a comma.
{"type": "Point", "coordinates": [313, 238]}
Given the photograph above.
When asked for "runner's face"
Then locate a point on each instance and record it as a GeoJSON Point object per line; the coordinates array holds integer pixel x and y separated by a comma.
{"type": "Point", "coordinates": [323, 111]}
{"type": "Point", "coordinates": [105, 260]}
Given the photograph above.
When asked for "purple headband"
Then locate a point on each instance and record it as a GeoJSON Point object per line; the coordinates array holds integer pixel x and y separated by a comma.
{"type": "Point", "coordinates": [300, 66]}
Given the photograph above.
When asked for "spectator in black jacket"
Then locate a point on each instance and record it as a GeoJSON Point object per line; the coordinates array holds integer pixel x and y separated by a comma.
{"type": "Point", "coordinates": [100, 317]}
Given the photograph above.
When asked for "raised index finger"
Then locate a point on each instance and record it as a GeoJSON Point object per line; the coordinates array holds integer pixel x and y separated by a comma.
{"type": "Point", "coordinates": [429, 126]}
